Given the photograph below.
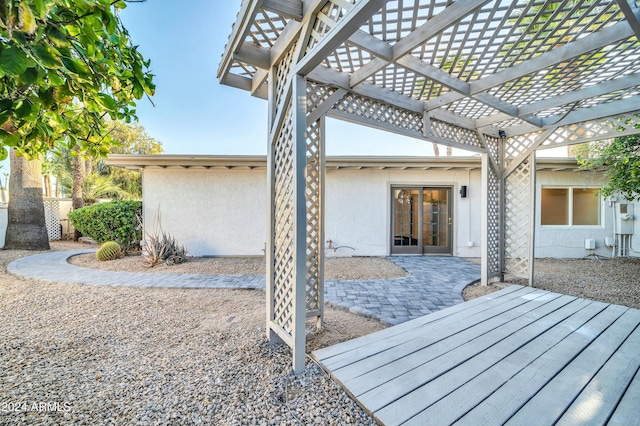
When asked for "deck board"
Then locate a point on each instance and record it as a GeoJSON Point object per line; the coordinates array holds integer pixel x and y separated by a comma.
{"type": "Point", "coordinates": [345, 353]}
{"type": "Point", "coordinates": [609, 384]}
{"type": "Point", "coordinates": [451, 333]}
{"type": "Point", "coordinates": [497, 359]}
{"type": "Point", "coordinates": [446, 355]}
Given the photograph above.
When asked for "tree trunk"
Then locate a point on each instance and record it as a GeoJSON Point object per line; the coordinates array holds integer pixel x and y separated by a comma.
{"type": "Point", "coordinates": [26, 229]}
{"type": "Point", "coordinates": [76, 192]}
{"type": "Point", "coordinates": [449, 151]}
{"type": "Point", "coordinates": [436, 150]}
{"type": "Point", "coordinates": [47, 186]}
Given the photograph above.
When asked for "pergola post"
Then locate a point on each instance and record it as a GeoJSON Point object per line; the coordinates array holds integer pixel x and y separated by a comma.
{"type": "Point", "coordinates": [295, 241]}
{"type": "Point", "coordinates": [508, 214]}
{"type": "Point", "coordinates": [492, 252]}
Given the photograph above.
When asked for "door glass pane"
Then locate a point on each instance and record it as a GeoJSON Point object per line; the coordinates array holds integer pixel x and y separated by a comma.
{"type": "Point", "coordinates": [405, 223]}
{"type": "Point", "coordinates": [435, 217]}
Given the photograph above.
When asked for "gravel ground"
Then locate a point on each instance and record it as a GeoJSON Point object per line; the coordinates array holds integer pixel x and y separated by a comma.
{"type": "Point", "coordinates": [72, 354]}
{"type": "Point", "coordinates": [342, 268]}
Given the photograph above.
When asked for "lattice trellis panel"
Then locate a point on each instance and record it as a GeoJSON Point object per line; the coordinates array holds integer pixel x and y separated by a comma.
{"type": "Point", "coordinates": [317, 94]}
{"type": "Point", "coordinates": [381, 113]}
{"type": "Point", "coordinates": [282, 75]}
{"type": "Point", "coordinates": [315, 238]}
{"type": "Point", "coordinates": [52, 219]}
{"type": "Point", "coordinates": [594, 130]}
{"type": "Point", "coordinates": [295, 279]}
{"type": "Point", "coordinates": [455, 133]}
{"type": "Point", "coordinates": [494, 202]}
{"type": "Point", "coordinates": [518, 216]}
{"type": "Point", "coordinates": [515, 147]}
{"type": "Point", "coordinates": [284, 223]}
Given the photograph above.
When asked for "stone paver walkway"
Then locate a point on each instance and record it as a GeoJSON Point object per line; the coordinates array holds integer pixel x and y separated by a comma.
{"type": "Point", "coordinates": [433, 283]}
{"type": "Point", "coordinates": [53, 267]}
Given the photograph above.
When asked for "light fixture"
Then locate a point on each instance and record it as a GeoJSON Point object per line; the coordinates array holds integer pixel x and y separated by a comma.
{"type": "Point", "coordinates": [502, 133]}
{"type": "Point", "coordinates": [463, 191]}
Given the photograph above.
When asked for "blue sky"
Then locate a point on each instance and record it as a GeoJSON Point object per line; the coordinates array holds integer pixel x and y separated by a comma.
{"type": "Point", "coordinates": [193, 113]}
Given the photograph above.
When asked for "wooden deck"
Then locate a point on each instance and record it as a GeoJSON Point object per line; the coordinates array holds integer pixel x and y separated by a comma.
{"type": "Point", "coordinates": [520, 356]}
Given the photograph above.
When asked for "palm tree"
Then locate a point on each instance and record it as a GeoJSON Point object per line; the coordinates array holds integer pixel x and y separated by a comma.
{"type": "Point", "coordinates": [95, 186]}
{"type": "Point", "coordinates": [26, 229]}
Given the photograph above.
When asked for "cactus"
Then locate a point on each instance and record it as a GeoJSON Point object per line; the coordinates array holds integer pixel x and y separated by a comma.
{"type": "Point", "coordinates": [109, 251]}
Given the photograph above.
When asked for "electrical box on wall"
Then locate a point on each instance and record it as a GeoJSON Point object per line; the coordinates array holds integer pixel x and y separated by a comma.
{"type": "Point", "coordinates": [589, 244]}
{"type": "Point", "coordinates": [624, 218]}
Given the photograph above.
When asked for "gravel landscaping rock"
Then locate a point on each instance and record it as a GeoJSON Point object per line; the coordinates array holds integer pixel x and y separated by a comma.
{"type": "Point", "coordinates": [73, 354]}
{"type": "Point", "coordinates": [336, 268]}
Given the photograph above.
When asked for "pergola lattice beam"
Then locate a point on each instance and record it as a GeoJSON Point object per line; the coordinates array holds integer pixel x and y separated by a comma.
{"type": "Point", "coordinates": [246, 16]}
{"type": "Point", "coordinates": [596, 90]}
{"type": "Point", "coordinates": [288, 8]}
{"type": "Point", "coordinates": [610, 109]}
{"type": "Point", "coordinates": [339, 79]}
{"type": "Point", "coordinates": [632, 13]}
{"type": "Point", "coordinates": [337, 35]}
{"type": "Point", "coordinates": [432, 27]}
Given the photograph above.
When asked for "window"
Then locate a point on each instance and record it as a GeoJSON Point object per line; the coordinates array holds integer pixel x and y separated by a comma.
{"type": "Point", "coordinates": [570, 206]}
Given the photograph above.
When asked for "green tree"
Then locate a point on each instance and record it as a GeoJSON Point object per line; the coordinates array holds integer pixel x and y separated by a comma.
{"type": "Point", "coordinates": [620, 162]}
{"type": "Point", "coordinates": [65, 66]}
{"type": "Point", "coordinates": [95, 186]}
{"type": "Point", "coordinates": [131, 138]}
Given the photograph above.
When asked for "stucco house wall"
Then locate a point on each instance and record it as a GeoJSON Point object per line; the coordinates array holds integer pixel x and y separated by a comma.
{"type": "Point", "coordinates": [358, 208]}
{"type": "Point", "coordinates": [222, 212]}
{"type": "Point", "coordinates": [568, 241]}
{"type": "Point", "coordinates": [212, 212]}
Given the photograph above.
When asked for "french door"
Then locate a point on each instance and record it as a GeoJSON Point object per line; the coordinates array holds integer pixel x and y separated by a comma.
{"type": "Point", "coordinates": [421, 220]}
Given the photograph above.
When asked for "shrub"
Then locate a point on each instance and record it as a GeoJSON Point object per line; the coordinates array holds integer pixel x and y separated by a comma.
{"type": "Point", "coordinates": [109, 251]}
{"type": "Point", "coordinates": [113, 221]}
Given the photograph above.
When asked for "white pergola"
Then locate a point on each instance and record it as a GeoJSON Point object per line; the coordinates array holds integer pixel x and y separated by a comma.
{"type": "Point", "coordinates": [501, 78]}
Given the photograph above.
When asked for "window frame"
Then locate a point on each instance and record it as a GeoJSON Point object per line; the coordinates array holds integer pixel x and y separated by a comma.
{"type": "Point", "coordinates": [570, 189]}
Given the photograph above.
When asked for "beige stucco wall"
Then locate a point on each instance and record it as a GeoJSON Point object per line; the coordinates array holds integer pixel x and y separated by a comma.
{"type": "Point", "coordinates": [212, 212]}
{"type": "Point", "coordinates": [223, 212]}
{"type": "Point", "coordinates": [358, 206]}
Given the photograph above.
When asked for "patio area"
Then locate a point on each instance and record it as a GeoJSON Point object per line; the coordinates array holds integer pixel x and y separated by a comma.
{"type": "Point", "coordinates": [518, 356]}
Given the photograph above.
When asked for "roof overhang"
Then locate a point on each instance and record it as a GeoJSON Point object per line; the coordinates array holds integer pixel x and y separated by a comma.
{"type": "Point", "coordinates": [257, 162]}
